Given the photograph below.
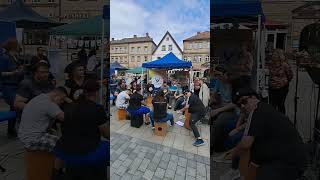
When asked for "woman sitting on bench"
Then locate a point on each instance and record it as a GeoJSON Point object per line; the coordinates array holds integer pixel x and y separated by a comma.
{"type": "Point", "coordinates": [159, 113]}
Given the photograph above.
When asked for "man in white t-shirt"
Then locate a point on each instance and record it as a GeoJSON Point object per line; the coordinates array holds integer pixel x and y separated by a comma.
{"type": "Point", "coordinates": [123, 99]}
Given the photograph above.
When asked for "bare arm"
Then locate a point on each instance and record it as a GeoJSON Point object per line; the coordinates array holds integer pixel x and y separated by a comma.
{"type": "Point", "coordinates": [244, 144]}
{"type": "Point", "coordinates": [20, 102]}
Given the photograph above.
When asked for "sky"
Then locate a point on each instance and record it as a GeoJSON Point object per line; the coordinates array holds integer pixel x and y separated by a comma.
{"type": "Point", "coordinates": [182, 18]}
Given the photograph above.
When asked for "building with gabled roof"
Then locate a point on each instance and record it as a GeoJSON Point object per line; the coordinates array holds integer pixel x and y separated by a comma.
{"type": "Point", "coordinates": [165, 46]}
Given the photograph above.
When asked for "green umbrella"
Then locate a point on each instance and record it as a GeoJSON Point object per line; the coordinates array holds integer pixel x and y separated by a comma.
{"type": "Point", "coordinates": [137, 70]}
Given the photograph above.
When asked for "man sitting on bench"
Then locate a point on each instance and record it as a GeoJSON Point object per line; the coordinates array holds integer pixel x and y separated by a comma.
{"type": "Point", "coordinates": [275, 145]}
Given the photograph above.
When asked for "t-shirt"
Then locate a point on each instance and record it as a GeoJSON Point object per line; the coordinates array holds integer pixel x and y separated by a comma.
{"type": "Point", "coordinates": [225, 91]}
{"type": "Point", "coordinates": [122, 99]}
{"type": "Point", "coordinates": [75, 89]}
{"type": "Point", "coordinates": [196, 105]}
{"type": "Point", "coordinates": [135, 101]}
{"type": "Point", "coordinates": [80, 130]}
{"type": "Point", "coordinates": [37, 115]}
{"type": "Point", "coordinates": [159, 108]}
{"type": "Point", "coordinates": [276, 139]}
{"type": "Point", "coordinates": [29, 88]}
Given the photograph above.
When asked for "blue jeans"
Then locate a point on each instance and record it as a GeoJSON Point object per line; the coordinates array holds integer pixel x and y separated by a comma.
{"type": "Point", "coordinates": [9, 95]}
{"type": "Point", "coordinates": [140, 111]}
{"type": "Point", "coordinates": [169, 117]}
{"type": "Point", "coordinates": [232, 141]}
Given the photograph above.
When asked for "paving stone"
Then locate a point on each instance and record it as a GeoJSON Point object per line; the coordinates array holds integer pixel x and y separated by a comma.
{"type": "Point", "coordinates": [182, 162]}
{"type": "Point", "coordinates": [163, 164]}
{"type": "Point", "coordinates": [117, 164]}
{"type": "Point", "coordinates": [191, 172]}
{"type": "Point", "coordinates": [132, 155]}
{"type": "Point", "coordinates": [181, 171]}
{"type": "Point", "coordinates": [169, 173]}
{"type": "Point", "coordinates": [159, 153]}
{"type": "Point", "coordinates": [148, 174]}
{"type": "Point", "coordinates": [190, 178]}
{"type": "Point", "coordinates": [123, 157]}
{"type": "Point", "coordinates": [156, 178]}
{"type": "Point", "coordinates": [115, 177]}
{"type": "Point", "coordinates": [135, 164]}
{"type": "Point", "coordinates": [126, 176]}
{"type": "Point", "coordinates": [159, 172]}
{"type": "Point", "coordinates": [172, 165]}
{"type": "Point", "coordinates": [179, 177]}
{"type": "Point", "coordinates": [149, 156]}
{"type": "Point", "coordinates": [141, 155]}
{"type": "Point", "coordinates": [165, 157]}
{"type": "Point", "coordinates": [208, 168]}
{"type": "Point", "coordinates": [201, 178]}
{"type": "Point", "coordinates": [206, 161]}
{"type": "Point", "coordinates": [152, 166]}
{"type": "Point", "coordinates": [166, 150]}
{"type": "Point", "coordinates": [144, 165]}
{"type": "Point", "coordinates": [201, 169]}
{"type": "Point", "coordinates": [198, 158]}
{"type": "Point", "coordinates": [156, 159]}
{"type": "Point", "coordinates": [190, 156]}
{"type": "Point", "coordinates": [192, 164]}
{"type": "Point", "coordinates": [121, 170]}
{"type": "Point", "coordinates": [127, 162]}
{"type": "Point", "coordinates": [181, 154]}
{"type": "Point", "coordinates": [174, 158]}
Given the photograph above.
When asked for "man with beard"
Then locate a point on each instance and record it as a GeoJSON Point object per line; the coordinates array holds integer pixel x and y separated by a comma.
{"type": "Point", "coordinates": [32, 87]}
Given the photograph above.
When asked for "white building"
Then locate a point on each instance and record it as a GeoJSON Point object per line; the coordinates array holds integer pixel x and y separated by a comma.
{"type": "Point", "coordinates": [167, 45]}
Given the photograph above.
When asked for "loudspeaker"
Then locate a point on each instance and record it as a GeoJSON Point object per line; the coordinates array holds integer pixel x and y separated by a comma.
{"type": "Point", "coordinates": [136, 121]}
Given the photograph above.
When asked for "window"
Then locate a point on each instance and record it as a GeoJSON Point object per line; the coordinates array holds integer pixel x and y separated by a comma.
{"type": "Point", "coordinates": [163, 48]}
{"type": "Point", "coordinates": [138, 59]}
{"type": "Point", "coordinates": [195, 59]}
{"type": "Point", "coordinates": [209, 45]}
{"type": "Point", "coordinates": [146, 49]}
{"type": "Point", "coordinates": [199, 59]}
{"type": "Point", "coordinates": [190, 46]}
{"type": "Point", "coordinates": [116, 49]}
{"type": "Point", "coordinates": [51, 1]}
{"type": "Point", "coordinates": [170, 48]}
{"type": "Point", "coordinates": [195, 46]}
{"type": "Point", "coordinates": [200, 45]}
{"type": "Point", "coordinates": [132, 49]}
{"type": "Point", "coordinates": [207, 59]}
{"type": "Point", "coordinates": [132, 58]}
{"type": "Point", "coordinates": [145, 58]}
{"type": "Point", "coordinates": [138, 49]}
{"type": "Point", "coordinates": [158, 57]}
{"type": "Point", "coordinates": [167, 39]}
{"type": "Point", "coordinates": [112, 48]}
{"type": "Point", "coordinates": [50, 15]}
{"type": "Point", "coordinates": [185, 58]}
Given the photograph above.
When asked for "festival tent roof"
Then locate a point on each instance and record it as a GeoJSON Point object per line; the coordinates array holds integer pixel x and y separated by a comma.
{"type": "Point", "coordinates": [117, 66]}
{"type": "Point", "coordinates": [137, 70]}
{"type": "Point", "coordinates": [25, 17]}
{"type": "Point", "coordinates": [169, 61]}
{"type": "Point", "coordinates": [87, 27]}
{"type": "Point", "coordinates": [235, 10]}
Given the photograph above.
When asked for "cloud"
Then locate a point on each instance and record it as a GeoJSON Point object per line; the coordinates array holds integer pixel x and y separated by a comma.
{"type": "Point", "coordinates": [182, 18]}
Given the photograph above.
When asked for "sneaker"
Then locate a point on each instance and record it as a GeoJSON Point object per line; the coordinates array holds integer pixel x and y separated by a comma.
{"type": "Point", "coordinates": [199, 142]}
{"type": "Point", "coordinates": [169, 107]}
{"type": "Point", "coordinates": [147, 123]}
{"type": "Point", "coordinates": [152, 127]}
{"type": "Point", "coordinates": [182, 117]}
{"type": "Point", "coordinates": [179, 112]}
{"type": "Point", "coordinates": [231, 175]}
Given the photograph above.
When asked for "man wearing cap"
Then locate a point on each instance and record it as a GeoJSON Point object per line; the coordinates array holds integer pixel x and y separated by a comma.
{"type": "Point", "coordinates": [197, 111]}
{"type": "Point", "coordinates": [275, 145]}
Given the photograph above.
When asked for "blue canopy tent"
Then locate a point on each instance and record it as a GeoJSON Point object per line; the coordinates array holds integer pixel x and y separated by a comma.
{"type": "Point", "coordinates": [239, 11]}
{"type": "Point", "coordinates": [117, 66]}
{"type": "Point", "coordinates": [169, 61]}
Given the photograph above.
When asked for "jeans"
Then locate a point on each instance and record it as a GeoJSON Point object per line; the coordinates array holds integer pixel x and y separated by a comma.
{"type": "Point", "coordinates": [232, 141]}
{"type": "Point", "coordinates": [218, 134]}
{"type": "Point", "coordinates": [194, 118]}
{"type": "Point", "coordinates": [9, 95]}
{"type": "Point", "coordinates": [140, 111]}
{"type": "Point", "coordinates": [169, 117]}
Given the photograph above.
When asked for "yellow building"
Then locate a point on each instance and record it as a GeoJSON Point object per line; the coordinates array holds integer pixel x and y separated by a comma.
{"type": "Point", "coordinates": [132, 52]}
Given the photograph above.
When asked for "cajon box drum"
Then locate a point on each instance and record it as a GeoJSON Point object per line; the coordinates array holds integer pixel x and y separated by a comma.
{"type": "Point", "coordinates": [122, 114]}
{"type": "Point", "coordinates": [39, 165]}
{"type": "Point", "coordinates": [149, 100]}
{"type": "Point", "coordinates": [136, 121]}
{"type": "Point", "coordinates": [160, 128]}
{"type": "Point", "coordinates": [187, 119]}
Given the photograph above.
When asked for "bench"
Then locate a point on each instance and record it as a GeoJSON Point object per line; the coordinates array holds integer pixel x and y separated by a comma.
{"type": "Point", "coordinates": [187, 120]}
{"type": "Point", "coordinates": [122, 114]}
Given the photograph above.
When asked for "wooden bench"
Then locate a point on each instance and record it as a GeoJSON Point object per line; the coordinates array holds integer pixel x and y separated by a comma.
{"type": "Point", "coordinates": [187, 120]}
{"type": "Point", "coordinates": [160, 128]}
{"type": "Point", "coordinates": [122, 114]}
{"type": "Point", "coordinates": [39, 165]}
{"type": "Point", "coordinates": [247, 170]}
{"type": "Point", "coordinates": [149, 101]}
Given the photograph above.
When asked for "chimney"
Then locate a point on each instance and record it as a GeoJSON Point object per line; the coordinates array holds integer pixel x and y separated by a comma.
{"type": "Point", "coordinates": [112, 39]}
{"type": "Point", "coordinates": [134, 36]}
{"type": "Point", "coordinates": [198, 32]}
{"type": "Point", "coordinates": [147, 34]}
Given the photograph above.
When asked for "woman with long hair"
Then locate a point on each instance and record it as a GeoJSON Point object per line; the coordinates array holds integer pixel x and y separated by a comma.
{"type": "Point", "coordinates": [12, 74]}
{"type": "Point", "coordinates": [280, 77]}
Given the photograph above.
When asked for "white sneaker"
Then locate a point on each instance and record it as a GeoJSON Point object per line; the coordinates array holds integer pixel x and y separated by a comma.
{"type": "Point", "coordinates": [179, 112]}
{"type": "Point", "coordinates": [231, 175]}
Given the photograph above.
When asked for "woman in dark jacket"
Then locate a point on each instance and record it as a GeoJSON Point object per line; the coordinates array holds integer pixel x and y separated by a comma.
{"type": "Point", "coordinates": [11, 73]}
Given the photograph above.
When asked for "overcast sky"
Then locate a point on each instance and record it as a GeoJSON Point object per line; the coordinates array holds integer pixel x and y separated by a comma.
{"type": "Point", "coordinates": [182, 18]}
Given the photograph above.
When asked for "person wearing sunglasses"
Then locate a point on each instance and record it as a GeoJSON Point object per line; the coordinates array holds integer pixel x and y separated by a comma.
{"type": "Point", "coordinates": [275, 145]}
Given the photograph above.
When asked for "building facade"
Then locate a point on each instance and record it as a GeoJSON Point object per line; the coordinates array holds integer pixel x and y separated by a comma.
{"type": "Point", "coordinates": [132, 52]}
{"type": "Point", "coordinates": [197, 50]}
{"type": "Point", "coordinates": [165, 46]}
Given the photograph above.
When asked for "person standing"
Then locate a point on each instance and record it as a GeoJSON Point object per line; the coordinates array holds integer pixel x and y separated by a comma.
{"type": "Point", "coordinates": [276, 147]}
{"type": "Point", "coordinates": [204, 93]}
{"type": "Point", "coordinates": [280, 77]}
{"type": "Point", "coordinates": [197, 110]}
{"type": "Point", "coordinates": [11, 74]}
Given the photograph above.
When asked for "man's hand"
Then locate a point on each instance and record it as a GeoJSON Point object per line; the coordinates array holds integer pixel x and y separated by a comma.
{"type": "Point", "coordinates": [215, 112]}
{"type": "Point", "coordinates": [67, 100]}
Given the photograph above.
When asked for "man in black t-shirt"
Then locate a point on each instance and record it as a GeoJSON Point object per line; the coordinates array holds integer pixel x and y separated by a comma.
{"type": "Point", "coordinates": [135, 104]}
{"type": "Point", "coordinates": [197, 111]}
{"type": "Point", "coordinates": [275, 145]}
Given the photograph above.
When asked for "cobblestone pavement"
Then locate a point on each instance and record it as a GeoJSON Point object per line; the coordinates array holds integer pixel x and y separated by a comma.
{"type": "Point", "coordinates": [136, 159]}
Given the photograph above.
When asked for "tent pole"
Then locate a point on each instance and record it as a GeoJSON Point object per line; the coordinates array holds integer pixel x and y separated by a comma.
{"type": "Point", "coordinates": [102, 66]}
{"type": "Point", "coordinates": [141, 82]}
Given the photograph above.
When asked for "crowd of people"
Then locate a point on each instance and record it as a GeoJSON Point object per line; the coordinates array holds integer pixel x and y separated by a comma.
{"type": "Point", "coordinates": [173, 94]}
{"type": "Point", "coordinates": [66, 120]}
{"type": "Point", "coordinates": [242, 121]}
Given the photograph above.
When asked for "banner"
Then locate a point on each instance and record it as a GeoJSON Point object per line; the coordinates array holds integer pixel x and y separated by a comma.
{"type": "Point", "coordinates": [158, 77]}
